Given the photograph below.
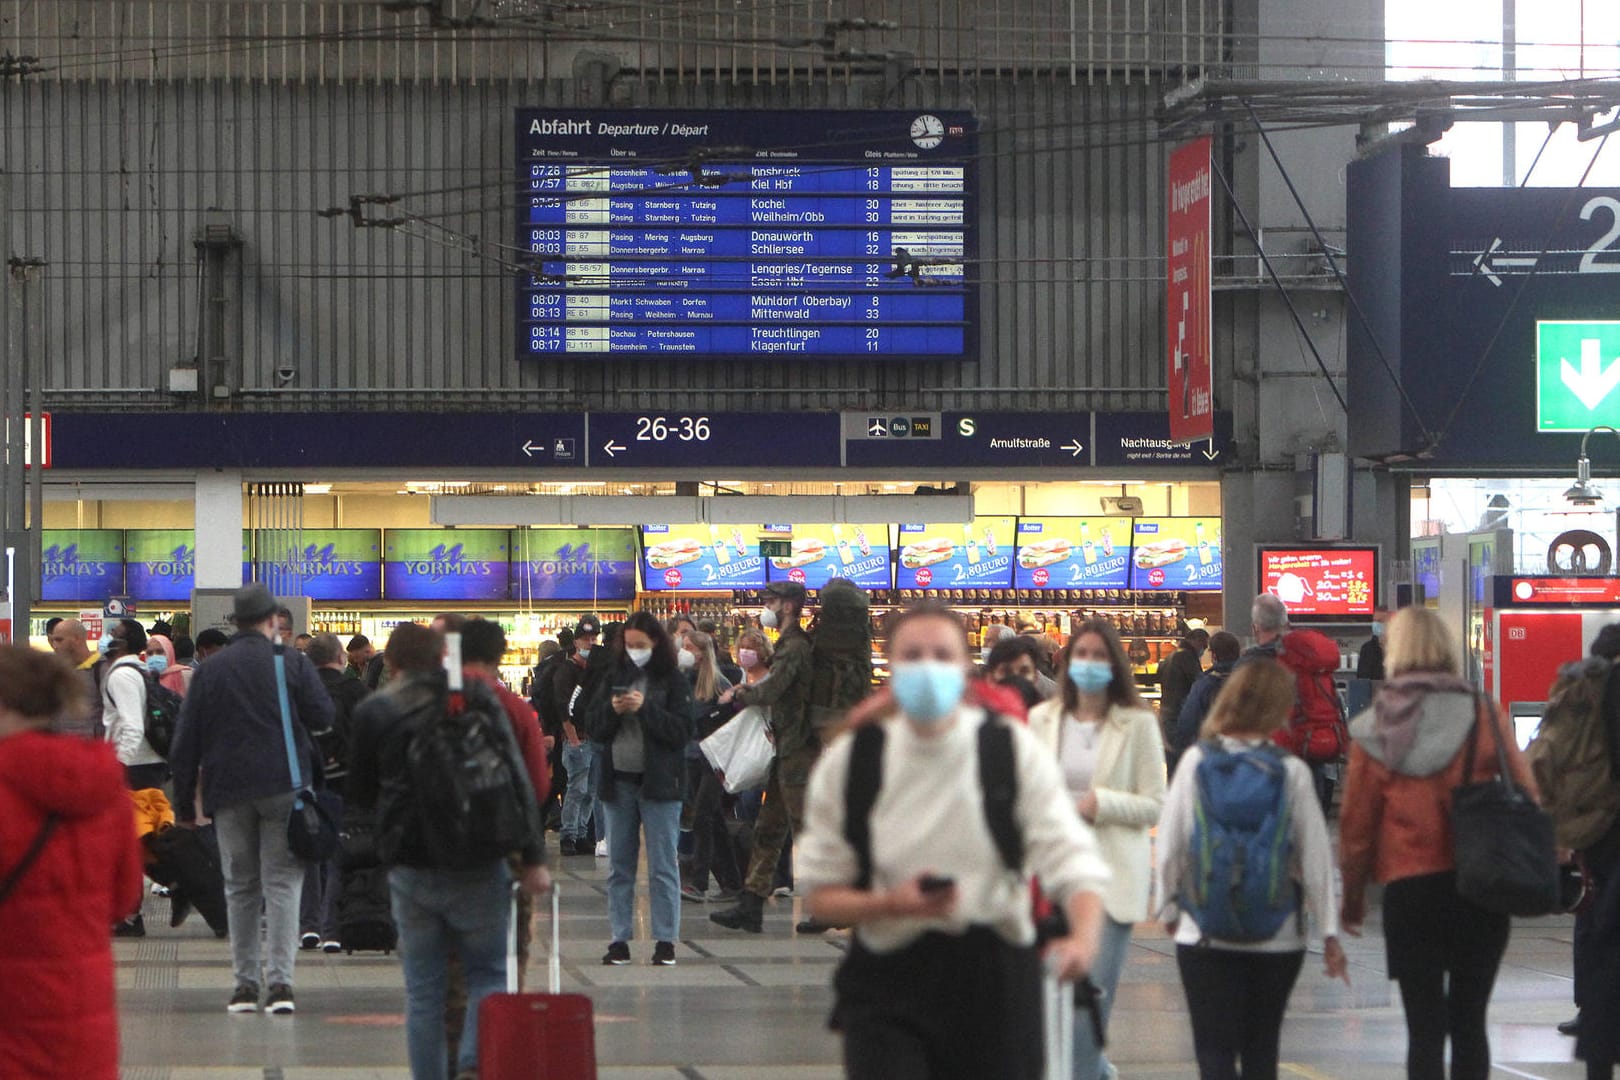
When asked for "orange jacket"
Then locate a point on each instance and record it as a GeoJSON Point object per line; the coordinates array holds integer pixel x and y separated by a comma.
{"type": "Point", "coordinates": [1395, 826]}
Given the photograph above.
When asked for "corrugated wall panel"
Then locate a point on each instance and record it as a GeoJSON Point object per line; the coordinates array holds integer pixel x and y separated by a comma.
{"type": "Point", "coordinates": [113, 180]}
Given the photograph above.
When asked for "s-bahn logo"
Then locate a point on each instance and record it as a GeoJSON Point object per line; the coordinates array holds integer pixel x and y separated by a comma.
{"type": "Point", "coordinates": [448, 561]}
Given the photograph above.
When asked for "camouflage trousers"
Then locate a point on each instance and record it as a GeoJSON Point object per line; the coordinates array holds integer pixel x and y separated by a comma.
{"type": "Point", "coordinates": [781, 816]}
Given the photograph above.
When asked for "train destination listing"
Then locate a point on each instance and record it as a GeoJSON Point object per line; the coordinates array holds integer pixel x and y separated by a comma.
{"type": "Point", "coordinates": [713, 234]}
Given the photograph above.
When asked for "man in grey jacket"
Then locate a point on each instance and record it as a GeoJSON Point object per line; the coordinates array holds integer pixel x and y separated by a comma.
{"type": "Point", "coordinates": [232, 731]}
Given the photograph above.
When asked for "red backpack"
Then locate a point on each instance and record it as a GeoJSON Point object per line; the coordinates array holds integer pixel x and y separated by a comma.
{"type": "Point", "coordinates": [1316, 728]}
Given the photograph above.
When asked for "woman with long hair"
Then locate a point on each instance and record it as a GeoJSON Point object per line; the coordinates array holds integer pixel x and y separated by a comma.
{"type": "Point", "coordinates": [711, 844]}
{"type": "Point", "coordinates": [642, 718]}
{"type": "Point", "coordinates": [943, 978]}
{"type": "Point", "coordinates": [70, 867]}
{"type": "Point", "coordinates": [1108, 747]}
{"type": "Point", "coordinates": [1408, 752]}
{"type": "Point", "coordinates": [754, 656]}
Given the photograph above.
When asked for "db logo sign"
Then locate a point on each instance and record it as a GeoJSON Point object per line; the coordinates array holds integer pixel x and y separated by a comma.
{"type": "Point", "coordinates": [796, 574]}
{"type": "Point", "coordinates": [672, 578]}
{"type": "Point", "coordinates": [1518, 633]}
{"type": "Point", "coordinates": [1156, 578]}
{"type": "Point", "coordinates": [1041, 577]}
{"type": "Point", "coordinates": [925, 578]}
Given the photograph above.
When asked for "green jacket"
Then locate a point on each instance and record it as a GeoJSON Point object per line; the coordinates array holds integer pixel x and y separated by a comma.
{"type": "Point", "coordinates": [786, 692]}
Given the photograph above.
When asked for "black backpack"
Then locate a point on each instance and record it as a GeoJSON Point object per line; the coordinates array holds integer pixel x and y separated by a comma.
{"type": "Point", "coordinates": [162, 714]}
{"type": "Point", "coordinates": [465, 776]}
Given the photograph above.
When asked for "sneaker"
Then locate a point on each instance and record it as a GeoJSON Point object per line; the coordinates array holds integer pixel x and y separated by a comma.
{"type": "Point", "coordinates": [664, 954]}
{"type": "Point", "coordinates": [618, 955]}
{"type": "Point", "coordinates": [245, 1000]}
{"type": "Point", "coordinates": [309, 941]}
{"type": "Point", "coordinates": [160, 890]}
{"type": "Point", "coordinates": [331, 947]}
{"type": "Point", "coordinates": [694, 895]}
{"type": "Point", "coordinates": [783, 892]}
{"type": "Point", "coordinates": [601, 849]}
{"type": "Point", "coordinates": [134, 926]}
{"type": "Point", "coordinates": [280, 1000]}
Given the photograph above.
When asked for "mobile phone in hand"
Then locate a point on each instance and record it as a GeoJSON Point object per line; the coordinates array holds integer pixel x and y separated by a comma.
{"type": "Point", "coordinates": [929, 884]}
{"type": "Point", "coordinates": [620, 691]}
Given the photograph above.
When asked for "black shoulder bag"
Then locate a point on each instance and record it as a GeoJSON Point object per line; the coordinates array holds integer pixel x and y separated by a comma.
{"type": "Point", "coordinates": [1507, 860]}
{"type": "Point", "coordinates": [30, 856]}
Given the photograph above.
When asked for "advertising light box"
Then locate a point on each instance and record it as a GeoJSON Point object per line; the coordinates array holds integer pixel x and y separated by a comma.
{"type": "Point", "coordinates": [446, 564]}
{"type": "Point", "coordinates": [858, 553]}
{"type": "Point", "coordinates": [974, 556]}
{"type": "Point", "coordinates": [81, 565]}
{"type": "Point", "coordinates": [1176, 554]}
{"type": "Point", "coordinates": [1073, 553]}
{"type": "Point", "coordinates": [696, 558]}
{"type": "Point", "coordinates": [1322, 583]}
{"type": "Point", "coordinates": [160, 564]}
{"type": "Point", "coordinates": [573, 564]}
{"type": "Point", "coordinates": [326, 564]}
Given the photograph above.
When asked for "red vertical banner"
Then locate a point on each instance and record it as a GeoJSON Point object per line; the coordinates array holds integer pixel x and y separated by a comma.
{"type": "Point", "coordinates": [1187, 293]}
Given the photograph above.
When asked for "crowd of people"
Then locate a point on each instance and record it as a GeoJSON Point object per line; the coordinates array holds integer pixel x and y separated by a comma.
{"type": "Point", "coordinates": [917, 817]}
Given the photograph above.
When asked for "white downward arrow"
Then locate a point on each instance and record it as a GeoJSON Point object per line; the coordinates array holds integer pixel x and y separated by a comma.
{"type": "Point", "coordinates": [1593, 382]}
{"type": "Point", "coordinates": [1209, 452]}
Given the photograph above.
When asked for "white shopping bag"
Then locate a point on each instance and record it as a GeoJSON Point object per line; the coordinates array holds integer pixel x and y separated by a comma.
{"type": "Point", "coordinates": [741, 751]}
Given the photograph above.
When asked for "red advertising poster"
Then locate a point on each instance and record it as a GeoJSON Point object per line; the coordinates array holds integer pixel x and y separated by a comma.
{"type": "Point", "coordinates": [1322, 582]}
{"type": "Point", "coordinates": [1187, 293]}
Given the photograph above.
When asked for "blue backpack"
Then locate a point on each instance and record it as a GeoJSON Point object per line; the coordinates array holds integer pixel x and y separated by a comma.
{"type": "Point", "coordinates": [1240, 888]}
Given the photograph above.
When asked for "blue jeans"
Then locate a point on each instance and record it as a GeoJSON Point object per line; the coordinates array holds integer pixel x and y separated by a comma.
{"type": "Point", "coordinates": [437, 912]}
{"type": "Point", "coordinates": [578, 800]}
{"type": "Point", "coordinates": [1089, 1061]}
{"type": "Point", "coordinates": [627, 812]}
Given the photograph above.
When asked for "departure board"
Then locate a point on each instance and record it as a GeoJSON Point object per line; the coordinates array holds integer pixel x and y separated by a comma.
{"type": "Point", "coordinates": [747, 234]}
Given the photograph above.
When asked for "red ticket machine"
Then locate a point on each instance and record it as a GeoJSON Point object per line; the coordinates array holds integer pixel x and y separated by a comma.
{"type": "Point", "coordinates": [1532, 627]}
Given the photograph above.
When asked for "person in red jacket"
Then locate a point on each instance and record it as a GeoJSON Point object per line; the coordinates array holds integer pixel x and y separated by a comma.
{"type": "Point", "coordinates": [70, 867]}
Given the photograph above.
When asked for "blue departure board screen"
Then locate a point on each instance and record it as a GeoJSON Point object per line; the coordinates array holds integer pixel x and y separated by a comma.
{"type": "Point", "coordinates": [744, 234]}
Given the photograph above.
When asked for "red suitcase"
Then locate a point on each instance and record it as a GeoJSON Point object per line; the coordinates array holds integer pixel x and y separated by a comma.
{"type": "Point", "coordinates": [537, 1036]}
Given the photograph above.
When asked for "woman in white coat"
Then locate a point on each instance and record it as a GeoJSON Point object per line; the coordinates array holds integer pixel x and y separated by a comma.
{"type": "Point", "coordinates": [1112, 756]}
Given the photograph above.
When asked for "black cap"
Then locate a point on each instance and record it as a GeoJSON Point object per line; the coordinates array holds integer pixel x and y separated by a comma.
{"type": "Point", "coordinates": [253, 603]}
{"type": "Point", "coordinates": [1607, 643]}
{"type": "Point", "coordinates": [588, 625]}
{"type": "Point", "coordinates": [787, 590]}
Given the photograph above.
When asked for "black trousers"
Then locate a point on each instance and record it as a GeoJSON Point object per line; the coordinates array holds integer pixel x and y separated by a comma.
{"type": "Point", "coordinates": [712, 850]}
{"type": "Point", "coordinates": [1597, 961]}
{"type": "Point", "coordinates": [1237, 1000]}
{"type": "Point", "coordinates": [944, 1008]}
{"type": "Point", "coordinates": [1444, 952]}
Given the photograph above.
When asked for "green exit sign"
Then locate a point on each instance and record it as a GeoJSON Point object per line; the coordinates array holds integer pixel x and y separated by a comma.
{"type": "Point", "coordinates": [1577, 375]}
{"type": "Point", "coordinates": [776, 549]}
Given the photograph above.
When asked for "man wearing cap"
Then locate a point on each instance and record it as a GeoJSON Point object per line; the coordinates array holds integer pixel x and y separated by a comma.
{"type": "Point", "coordinates": [786, 691]}
{"type": "Point", "coordinates": [231, 732]}
{"type": "Point", "coordinates": [568, 679]}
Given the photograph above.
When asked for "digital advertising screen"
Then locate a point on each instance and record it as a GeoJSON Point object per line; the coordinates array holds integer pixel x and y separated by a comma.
{"type": "Point", "coordinates": [1073, 553]}
{"type": "Point", "coordinates": [160, 565]}
{"type": "Point", "coordinates": [81, 565]}
{"type": "Point", "coordinates": [978, 555]}
{"type": "Point", "coordinates": [858, 553]}
{"type": "Point", "coordinates": [698, 558]}
{"type": "Point", "coordinates": [747, 234]}
{"type": "Point", "coordinates": [1178, 554]}
{"type": "Point", "coordinates": [573, 564]}
{"type": "Point", "coordinates": [446, 564]}
{"type": "Point", "coordinates": [325, 564]}
{"type": "Point", "coordinates": [1322, 583]}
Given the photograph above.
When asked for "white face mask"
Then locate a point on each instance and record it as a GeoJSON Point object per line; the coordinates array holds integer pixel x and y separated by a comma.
{"type": "Point", "coordinates": [686, 660]}
{"type": "Point", "coordinates": [984, 654]}
{"type": "Point", "coordinates": [768, 619]}
{"type": "Point", "coordinates": [584, 652]}
{"type": "Point", "coordinates": [639, 657]}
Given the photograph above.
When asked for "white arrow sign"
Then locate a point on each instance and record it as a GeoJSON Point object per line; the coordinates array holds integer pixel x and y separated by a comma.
{"type": "Point", "coordinates": [1488, 262]}
{"type": "Point", "coordinates": [1073, 447]}
{"type": "Point", "coordinates": [529, 448]}
{"type": "Point", "coordinates": [1593, 382]}
{"type": "Point", "coordinates": [612, 448]}
{"type": "Point", "coordinates": [1209, 451]}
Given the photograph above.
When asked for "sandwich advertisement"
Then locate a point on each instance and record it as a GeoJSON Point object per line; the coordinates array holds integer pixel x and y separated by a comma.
{"type": "Point", "coordinates": [697, 558]}
{"type": "Point", "coordinates": [160, 564]}
{"type": "Point", "coordinates": [573, 564]}
{"type": "Point", "coordinates": [1073, 553]}
{"type": "Point", "coordinates": [859, 553]}
{"type": "Point", "coordinates": [974, 556]}
{"type": "Point", "coordinates": [446, 564]}
{"type": "Point", "coordinates": [1182, 554]}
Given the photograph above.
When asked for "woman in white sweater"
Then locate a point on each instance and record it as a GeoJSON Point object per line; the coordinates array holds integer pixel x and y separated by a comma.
{"type": "Point", "coordinates": [1237, 987]}
{"type": "Point", "coordinates": [1108, 747]}
{"type": "Point", "coordinates": [906, 842]}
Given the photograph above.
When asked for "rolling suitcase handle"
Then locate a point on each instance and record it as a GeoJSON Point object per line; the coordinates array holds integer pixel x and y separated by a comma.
{"type": "Point", "coordinates": [553, 962]}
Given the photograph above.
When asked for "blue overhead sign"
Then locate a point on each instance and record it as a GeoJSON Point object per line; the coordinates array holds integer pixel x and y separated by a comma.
{"type": "Point", "coordinates": [971, 440]}
{"type": "Point", "coordinates": [675, 440]}
{"type": "Point", "coordinates": [1143, 438]}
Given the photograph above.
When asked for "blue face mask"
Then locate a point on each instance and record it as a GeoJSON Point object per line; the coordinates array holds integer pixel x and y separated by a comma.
{"type": "Point", "coordinates": [1090, 676]}
{"type": "Point", "coordinates": [157, 663]}
{"type": "Point", "coordinates": [927, 691]}
{"type": "Point", "coordinates": [104, 646]}
{"type": "Point", "coordinates": [1378, 630]}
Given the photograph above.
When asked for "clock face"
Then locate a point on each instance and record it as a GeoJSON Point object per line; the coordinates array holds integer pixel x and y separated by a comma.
{"type": "Point", "coordinates": [927, 132]}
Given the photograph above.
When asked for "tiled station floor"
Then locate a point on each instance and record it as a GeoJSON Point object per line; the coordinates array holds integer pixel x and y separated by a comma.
{"type": "Point", "coordinates": [741, 1007]}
